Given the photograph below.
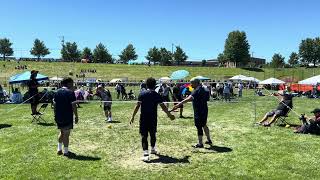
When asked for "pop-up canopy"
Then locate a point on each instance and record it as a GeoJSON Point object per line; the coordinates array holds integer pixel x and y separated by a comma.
{"type": "Point", "coordinates": [311, 81]}
{"type": "Point", "coordinates": [24, 77]}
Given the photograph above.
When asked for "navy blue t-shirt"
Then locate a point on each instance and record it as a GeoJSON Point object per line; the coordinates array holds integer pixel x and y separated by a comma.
{"type": "Point", "coordinates": [149, 102]}
{"type": "Point", "coordinates": [63, 106]}
{"type": "Point", "coordinates": [199, 102]}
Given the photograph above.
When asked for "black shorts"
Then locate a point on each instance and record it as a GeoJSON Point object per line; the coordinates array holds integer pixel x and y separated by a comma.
{"type": "Point", "coordinates": [107, 108]}
{"type": "Point", "coordinates": [65, 126]}
{"type": "Point", "coordinates": [200, 119]}
{"type": "Point", "coordinates": [35, 99]}
{"type": "Point", "coordinates": [144, 129]}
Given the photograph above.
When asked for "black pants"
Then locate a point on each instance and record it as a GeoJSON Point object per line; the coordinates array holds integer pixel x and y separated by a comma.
{"type": "Point", "coordinates": [144, 140]}
{"type": "Point", "coordinates": [200, 130]}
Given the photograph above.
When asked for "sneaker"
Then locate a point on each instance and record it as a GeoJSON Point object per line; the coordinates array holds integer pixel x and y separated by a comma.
{"type": "Point", "coordinates": [109, 119]}
{"type": "Point", "coordinates": [145, 157]}
{"type": "Point", "coordinates": [59, 152]}
{"type": "Point", "coordinates": [69, 154]}
{"type": "Point", "coordinates": [198, 146]}
{"type": "Point", "coordinates": [154, 151]}
{"type": "Point", "coordinates": [208, 142]}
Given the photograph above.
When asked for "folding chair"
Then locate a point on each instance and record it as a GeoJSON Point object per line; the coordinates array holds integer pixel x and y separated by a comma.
{"type": "Point", "coordinates": [282, 119]}
{"type": "Point", "coordinates": [38, 117]}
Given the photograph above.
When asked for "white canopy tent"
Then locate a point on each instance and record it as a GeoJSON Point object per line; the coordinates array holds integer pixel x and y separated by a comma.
{"type": "Point", "coordinates": [272, 81]}
{"type": "Point", "coordinates": [251, 79]}
{"type": "Point", "coordinates": [238, 77]}
{"type": "Point", "coordinates": [164, 79]}
{"type": "Point", "coordinates": [116, 80]}
{"type": "Point", "coordinates": [311, 81]}
{"type": "Point", "coordinates": [55, 78]}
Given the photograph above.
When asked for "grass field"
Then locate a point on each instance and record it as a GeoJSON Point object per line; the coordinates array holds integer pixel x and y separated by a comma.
{"type": "Point", "coordinates": [241, 150]}
{"type": "Point", "coordinates": [139, 72]}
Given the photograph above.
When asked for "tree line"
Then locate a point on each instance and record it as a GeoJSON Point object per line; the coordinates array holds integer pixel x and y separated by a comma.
{"type": "Point", "coordinates": [100, 54]}
{"type": "Point", "coordinates": [236, 49]}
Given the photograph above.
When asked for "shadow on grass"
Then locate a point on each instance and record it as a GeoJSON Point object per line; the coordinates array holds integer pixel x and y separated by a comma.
{"type": "Point", "coordinates": [83, 158]}
{"type": "Point", "coordinates": [2, 126]}
{"type": "Point", "coordinates": [114, 122]}
{"type": "Point", "coordinates": [46, 124]}
{"type": "Point", "coordinates": [189, 117]}
{"type": "Point", "coordinates": [169, 160]}
{"type": "Point", "coordinates": [214, 149]}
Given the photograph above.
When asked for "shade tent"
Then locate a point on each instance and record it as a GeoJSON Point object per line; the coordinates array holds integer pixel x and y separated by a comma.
{"type": "Point", "coordinates": [55, 78]}
{"type": "Point", "coordinates": [311, 81]}
{"type": "Point", "coordinates": [24, 77]}
{"type": "Point", "coordinates": [116, 80]}
{"type": "Point", "coordinates": [164, 79]}
{"type": "Point", "coordinates": [238, 77]}
{"type": "Point", "coordinates": [180, 74]}
{"type": "Point", "coordinates": [201, 78]}
{"type": "Point", "coordinates": [272, 81]}
{"type": "Point", "coordinates": [251, 79]}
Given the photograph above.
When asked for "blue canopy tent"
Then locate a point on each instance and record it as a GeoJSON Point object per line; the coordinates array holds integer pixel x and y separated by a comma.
{"type": "Point", "coordinates": [24, 77]}
{"type": "Point", "coordinates": [180, 74]}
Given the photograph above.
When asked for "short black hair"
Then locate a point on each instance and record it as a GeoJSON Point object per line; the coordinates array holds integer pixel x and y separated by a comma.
{"type": "Point", "coordinates": [66, 81]}
{"type": "Point", "coordinates": [151, 83]}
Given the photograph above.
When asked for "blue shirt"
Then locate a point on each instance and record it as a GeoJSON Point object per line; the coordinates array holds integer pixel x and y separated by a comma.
{"type": "Point", "coordinates": [149, 102]}
{"type": "Point", "coordinates": [63, 111]}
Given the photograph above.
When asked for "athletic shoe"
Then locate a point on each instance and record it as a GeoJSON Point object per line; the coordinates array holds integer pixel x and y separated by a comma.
{"type": "Point", "coordinates": [198, 146]}
{"type": "Point", "coordinates": [154, 151]}
{"type": "Point", "coordinates": [208, 142]}
{"type": "Point", "coordinates": [69, 154]}
{"type": "Point", "coordinates": [145, 157]}
{"type": "Point", "coordinates": [109, 119]}
{"type": "Point", "coordinates": [59, 152]}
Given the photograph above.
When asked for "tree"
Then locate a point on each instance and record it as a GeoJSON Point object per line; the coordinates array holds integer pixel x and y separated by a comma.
{"type": "Point", "coordinates": [129, 53]}
{"type": "Point", "coordinates": [221, 58]}
{"type": "Point", "coordinates": [165, 56]}
{"type": "Point", "coordinates": [203, 62]}
{"type": "Point", "coordinates": [86, 54]}
{"type": "Point", "coordinates": [5, 48]}
{"type": "Point", "coordinates": [179, 55]}
{"type": "Point", "coordinates": [293, 59]}
{"type": "Point", "coordinates": [277, 61]}
{"type": "Point", "coordinates": [153, 55]}
{"type": "Point", "coordinates": [101, 54]}
{"type": "Point", "coordinates": [236, 48]}
{"type": "Point", "coordinates": [317, 50]}
{"type": "Point", "coordinates": [307, 51]}
{"type": "Point", "coordinates": [70, 52]}
{"type": "Point", "coordinates": [39, 49]}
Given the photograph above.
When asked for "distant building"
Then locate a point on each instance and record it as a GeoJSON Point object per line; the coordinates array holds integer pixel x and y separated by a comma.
{"type": "Point", "coordinates": [254, 62]}
{"type": "Point", "coordinates": [209, 62]}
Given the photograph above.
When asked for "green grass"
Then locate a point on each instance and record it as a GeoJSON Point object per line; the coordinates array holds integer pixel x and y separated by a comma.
{"type": "Point", "coordinates": [139, 72]}
{"type": "Point", "coordinates": [28, 150]}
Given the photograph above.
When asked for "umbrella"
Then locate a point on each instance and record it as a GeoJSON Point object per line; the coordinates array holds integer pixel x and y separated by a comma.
{"type": "Point", "coordinates": [311, 81]}
{"type": "Point", "coordinates": [180, 74]}
{"type": "Point", "coordinates": [201, 78]}
{"type": "Point", "coordinates": [24, 77]}
{"type": "Point", "coordinates": [238, 77]}
{"type": "Point", "coordinates": [272, 81]}
{"type": "Point", "coordinates": [186, 88]}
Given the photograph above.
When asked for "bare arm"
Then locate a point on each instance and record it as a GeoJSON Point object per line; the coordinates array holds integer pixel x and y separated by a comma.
{"type": "Point", "coordinates": [165, 109]}
{"type": "Point", "coordinates": [136, 109]}
{"type": "Point", "coordinates": [75, 111]}
{"type": "Point", "coordinates": [188, 99]}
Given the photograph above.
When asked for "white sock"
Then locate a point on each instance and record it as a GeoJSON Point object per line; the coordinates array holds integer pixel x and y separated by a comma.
{"type": "Point", "coordinates": [145, 152]}
{"type": "Point", "coordinates": [66, 150]}
{"type": "Point", "coordinates": [59, 146]}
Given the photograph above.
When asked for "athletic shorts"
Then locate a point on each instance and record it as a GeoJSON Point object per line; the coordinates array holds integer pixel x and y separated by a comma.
{"type": "Point", "coordinates": [145, 129]}
{"type": "Point", "coordinates": [275, 112]}
{"type": "Point", "coordinates": [65, 126]}
{"type": "Point", "coordinates": [34, 100]}
{"type": "Point", "coordinates": [107, 108]}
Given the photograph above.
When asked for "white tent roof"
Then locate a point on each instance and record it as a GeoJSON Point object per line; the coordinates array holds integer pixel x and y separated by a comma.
{"type": "Point", "coordinates": [238, 77]}
{"type": "Point", "coordinates": [311, 81]}
{"type": "Point", "coordinates": [252, 79]}
{"type": "Point", "coordinates": [55, 78]}
{"type": "Point", "coordinates": [115, 80]}
{"type": "Point", "coordinates": [272, 81]}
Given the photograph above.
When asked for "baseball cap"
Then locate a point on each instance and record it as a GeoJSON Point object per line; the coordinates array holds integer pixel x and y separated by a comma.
{"type": "Point", "coordinates": [316, 110]}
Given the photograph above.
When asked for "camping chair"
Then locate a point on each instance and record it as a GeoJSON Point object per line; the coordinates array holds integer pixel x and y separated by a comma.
{"type": "Point", "coordinates": [281, 120]}
{"type": "Point", "coordinates": [38, 117]}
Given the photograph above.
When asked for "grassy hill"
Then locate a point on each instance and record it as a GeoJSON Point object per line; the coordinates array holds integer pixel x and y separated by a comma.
{"type": "Point", "coordinates": [139, 72]}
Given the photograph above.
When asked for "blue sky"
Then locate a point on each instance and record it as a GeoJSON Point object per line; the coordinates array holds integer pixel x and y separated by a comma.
{"type": "Point", "coordinates": [199, 27]}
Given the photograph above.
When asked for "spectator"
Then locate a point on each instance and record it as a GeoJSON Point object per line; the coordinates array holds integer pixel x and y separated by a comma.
{"type": "Point", "coordinates": [16, 96]}
{"type": "Point", "coordinates": [226, 92]}
{"type": "Point", "coordinates": [311, 126]}
{"type": "Point", "coordinates": [240, 88]}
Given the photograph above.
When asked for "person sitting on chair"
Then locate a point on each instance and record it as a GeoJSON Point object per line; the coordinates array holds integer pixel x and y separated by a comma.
{"type": "Point", "coordinates": [310, 125]}
{"type": "Point", "coordinates": [285, 105]}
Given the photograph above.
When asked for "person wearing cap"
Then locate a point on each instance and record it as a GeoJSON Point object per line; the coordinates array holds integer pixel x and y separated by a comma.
{"type": "Point", "coordinates": [199, 98]}
{"type": "Point", "coordinates": [33, 92]}
{"type": "Point", "coordinates": [310, 125]}
{"type": "Point", "coordinates": [105, 96]}
{"type": "Point", "coordinates": [284, 106]}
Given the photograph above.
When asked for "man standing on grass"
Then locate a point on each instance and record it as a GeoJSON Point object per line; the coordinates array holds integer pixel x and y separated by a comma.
{"type": "Point", "coordinates": [64, 108]}
{"type": "Point", "coordinates": [148, 100]}
{"type": "Point", "coordinates": [33, 92]}
{"type": "Point", "coordinates": [199, 98]}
